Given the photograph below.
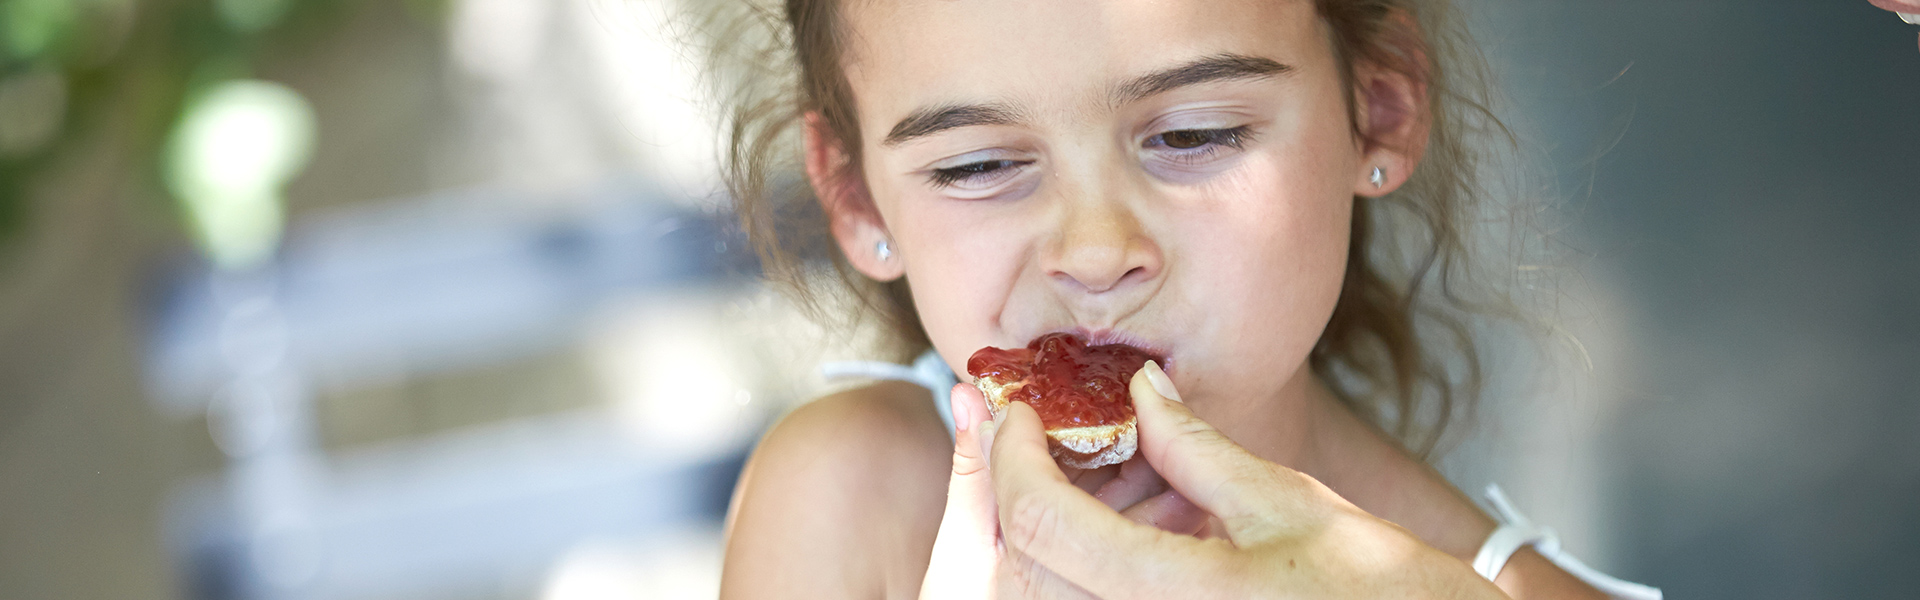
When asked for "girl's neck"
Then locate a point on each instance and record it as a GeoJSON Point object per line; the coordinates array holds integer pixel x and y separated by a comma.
{"type": "Point", "coordinates": [1308, 428]}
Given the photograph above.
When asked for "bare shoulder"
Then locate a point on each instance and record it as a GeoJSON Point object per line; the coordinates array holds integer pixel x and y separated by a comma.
{"type": "Point", "coordinates": [842, 498]}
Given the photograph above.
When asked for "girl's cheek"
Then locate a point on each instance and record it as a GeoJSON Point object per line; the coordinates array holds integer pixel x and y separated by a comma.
{"type": "Point", "coordinates": [972, 249]}
{"type": "Point", "coordinates": [1280, 233]}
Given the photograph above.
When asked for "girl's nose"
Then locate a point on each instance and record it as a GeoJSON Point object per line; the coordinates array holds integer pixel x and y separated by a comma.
{"type": "Point", "coordinates": [1102, 247]}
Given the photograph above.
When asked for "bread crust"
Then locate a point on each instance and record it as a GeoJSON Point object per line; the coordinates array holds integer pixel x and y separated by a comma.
{"type": "Point", "coordinates": [1077, 447]}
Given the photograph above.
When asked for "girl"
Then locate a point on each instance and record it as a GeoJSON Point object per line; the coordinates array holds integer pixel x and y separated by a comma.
{"type": "Point", "coordinates": [1203, 179]}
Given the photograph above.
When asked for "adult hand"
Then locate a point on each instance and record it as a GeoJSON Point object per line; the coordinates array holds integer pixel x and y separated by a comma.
{"type": "Point", "coordinates": [969, 560]}
{"type": "Point", "coordinates": [1284, 532]}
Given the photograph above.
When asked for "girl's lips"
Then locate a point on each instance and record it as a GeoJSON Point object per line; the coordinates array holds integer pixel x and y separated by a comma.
{"type": "Point", "coordinates": [1101, 337]}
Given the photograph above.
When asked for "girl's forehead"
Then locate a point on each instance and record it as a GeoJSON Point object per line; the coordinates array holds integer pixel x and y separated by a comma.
{"type": "Point", "coordinates": [903, 51]}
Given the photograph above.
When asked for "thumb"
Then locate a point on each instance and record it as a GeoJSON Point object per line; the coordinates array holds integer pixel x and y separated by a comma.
{"type": "Point", "coordinates": [966, 549]}
{"type": "Point", "coordinates": [1198, 461]}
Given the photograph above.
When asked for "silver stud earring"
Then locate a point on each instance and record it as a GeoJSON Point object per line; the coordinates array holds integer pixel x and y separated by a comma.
{"type": "Point", "coordinates": [883, 250]}
{"type": "Point", "coordinates": [1378, 178]}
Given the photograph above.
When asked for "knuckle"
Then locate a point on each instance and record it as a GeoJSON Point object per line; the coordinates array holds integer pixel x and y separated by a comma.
{"type": "Point", "coordinates": [1194, 434]}
{"type": "Point", "coordinates": [1197, 439]}
{"type": "Point", "coordinates": [965, 466]}
{"type": "Point", "coordinates": [1031, 522]}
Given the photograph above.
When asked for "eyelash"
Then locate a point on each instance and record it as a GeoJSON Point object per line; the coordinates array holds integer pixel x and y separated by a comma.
{"type": "Point", "coordinates": [1232, 137]}
{"type": "Point", "coordinates": [972, 171]}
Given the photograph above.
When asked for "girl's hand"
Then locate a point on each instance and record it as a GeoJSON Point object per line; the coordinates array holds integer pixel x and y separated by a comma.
{"type": "Point", "coordinates": [1284, 532]}
{"type": "Point", "coordinates": [969, 561]}
{"type": "Point", "coordinates": [966, 550]}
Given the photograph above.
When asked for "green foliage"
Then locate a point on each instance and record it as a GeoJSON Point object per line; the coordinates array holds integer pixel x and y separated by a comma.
{"type": "Point", "coordinates": [133, 65]}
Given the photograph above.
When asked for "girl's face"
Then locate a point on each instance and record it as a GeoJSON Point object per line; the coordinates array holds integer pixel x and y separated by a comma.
{"type": "Point", "coordinates": [1174, 174]}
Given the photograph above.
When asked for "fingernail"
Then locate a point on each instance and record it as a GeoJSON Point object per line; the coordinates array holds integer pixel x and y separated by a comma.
{"type": "Point", "coordinates": [987, 429]}
{"type": "Point", "coordinates": [1161, 383]}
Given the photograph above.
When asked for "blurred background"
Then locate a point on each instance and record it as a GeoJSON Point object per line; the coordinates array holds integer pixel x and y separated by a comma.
{"type": "Point", "coordinates": [367, 299]}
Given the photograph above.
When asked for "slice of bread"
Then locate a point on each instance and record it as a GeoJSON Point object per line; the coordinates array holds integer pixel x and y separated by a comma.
{"type": "Point", "coordinates": [1077, 447]}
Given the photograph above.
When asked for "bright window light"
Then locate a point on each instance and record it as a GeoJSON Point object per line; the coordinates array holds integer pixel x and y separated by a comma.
{"type": "Point", "coordinates": [234, 149]}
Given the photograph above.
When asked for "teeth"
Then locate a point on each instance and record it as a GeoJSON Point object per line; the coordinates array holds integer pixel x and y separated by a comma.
{"type": "Point", "coordinates": [1912, 18]}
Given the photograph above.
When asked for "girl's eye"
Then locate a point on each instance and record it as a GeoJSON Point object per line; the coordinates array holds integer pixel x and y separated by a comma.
{"type": "Point", "coordinates": [1185, 139]}
{"type": "Point", "coordinates": [974, 174]}
{"type": "Point", "coordinates": [1189, 139]}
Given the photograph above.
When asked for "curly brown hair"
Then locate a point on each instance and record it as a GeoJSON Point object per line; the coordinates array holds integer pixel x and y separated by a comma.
{"type": "Point", "coordinates": [1397, 350]}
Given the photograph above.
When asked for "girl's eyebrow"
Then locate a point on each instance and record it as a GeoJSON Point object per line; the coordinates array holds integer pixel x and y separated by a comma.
{"type": "Point", "coordinates": [1208, 69]}
{"type": "Point", "coordinates": [935, 119]}
{"type": "Point", "coordinates": [1219, 67]}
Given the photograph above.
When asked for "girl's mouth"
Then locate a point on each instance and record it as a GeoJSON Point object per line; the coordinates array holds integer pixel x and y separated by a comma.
{"type": "Point", "coordinates": [1160, 352]}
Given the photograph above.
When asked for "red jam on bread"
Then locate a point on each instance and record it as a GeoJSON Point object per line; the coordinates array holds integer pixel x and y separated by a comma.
{"type": "Point", "coordinates": [1079, 391]}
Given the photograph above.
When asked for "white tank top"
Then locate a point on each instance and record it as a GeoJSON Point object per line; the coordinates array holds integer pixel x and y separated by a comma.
{"type": "Point", "coordinates": [1515, 531]}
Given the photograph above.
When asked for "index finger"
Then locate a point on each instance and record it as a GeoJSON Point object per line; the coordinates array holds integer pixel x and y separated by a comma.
{"type": "Point", "coordinates": [1199, 461]}
{"type": "Point", "coordinates": [1045, 517]}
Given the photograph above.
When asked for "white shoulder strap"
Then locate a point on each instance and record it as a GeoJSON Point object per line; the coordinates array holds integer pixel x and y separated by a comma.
{"type": "Point", "coordinates": [1517, 531]}
{"type": "Point", "coordinates": [929, 371]}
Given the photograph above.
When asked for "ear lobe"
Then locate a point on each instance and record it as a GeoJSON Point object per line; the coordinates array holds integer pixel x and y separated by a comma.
{"type": "Point", "coordinates": [1395, 116]}
{"type": "Point", "coordinates": [851, 214]}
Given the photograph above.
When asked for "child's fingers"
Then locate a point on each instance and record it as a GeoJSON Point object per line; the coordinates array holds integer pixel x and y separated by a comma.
{"type": "Point", "coordinates": [970, 491]}
{"type": "Point", "coordinates": [1143, 497]}
{"type": "Point", "coordinates": [1169, 512]}
{"type": "Point", "coordinates": [1134, 483]}
{"type": "Point", "coordinates": [1093, 479]}
{"type": "Point", "coordinates": [966, 549]}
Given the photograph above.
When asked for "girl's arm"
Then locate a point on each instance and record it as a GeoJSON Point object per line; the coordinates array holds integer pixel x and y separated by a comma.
{"type": "Point", "coordinates": [841, 499]}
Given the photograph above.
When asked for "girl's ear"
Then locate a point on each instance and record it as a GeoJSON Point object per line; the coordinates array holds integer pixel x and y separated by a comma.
{"type": "Point", "coordinates": [1392, 109]}
{"type": "Point", "coordinates": [851, 213]}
